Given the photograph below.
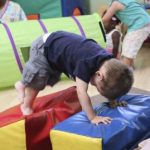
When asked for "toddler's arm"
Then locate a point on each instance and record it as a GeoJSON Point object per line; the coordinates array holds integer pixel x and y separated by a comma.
{"type": "Point", "coordinates": [86, 105]}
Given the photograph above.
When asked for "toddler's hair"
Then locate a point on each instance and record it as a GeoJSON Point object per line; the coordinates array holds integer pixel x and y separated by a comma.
{"type": "Point", "coordinates": [118, 79]}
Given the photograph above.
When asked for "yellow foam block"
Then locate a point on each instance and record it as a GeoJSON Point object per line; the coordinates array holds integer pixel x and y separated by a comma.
{"type": "Point", "coordinates": [68, 141]}
{"type": "Point", "coordinates": [12, 137]}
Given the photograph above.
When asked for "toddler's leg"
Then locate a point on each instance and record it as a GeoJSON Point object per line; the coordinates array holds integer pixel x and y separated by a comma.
{"type": "Point", "coordinates": [29, 98]}
{"type": "Point", "coordinates": [20, 87]}
{"type": "Point", "coordinates": [35, 75]}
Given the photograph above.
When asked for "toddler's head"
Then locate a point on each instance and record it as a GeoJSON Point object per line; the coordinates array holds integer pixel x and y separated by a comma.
{"type": "Point", "coordinates": [113, 79]}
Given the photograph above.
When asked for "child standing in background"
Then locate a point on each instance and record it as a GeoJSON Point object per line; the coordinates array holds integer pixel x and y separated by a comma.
{"type": "Point", "coordinates": [113, 36]}
{"type": "Point", "coordinates": [132, 14]}
{"type": "Point", "coordinates": [11, 12]}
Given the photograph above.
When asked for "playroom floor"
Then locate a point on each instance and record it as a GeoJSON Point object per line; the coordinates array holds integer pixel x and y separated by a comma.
{"type": "Point", "coordinates": [8, 98]}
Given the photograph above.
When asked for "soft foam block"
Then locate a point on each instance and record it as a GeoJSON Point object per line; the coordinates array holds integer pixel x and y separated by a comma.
{"type": "Point", "coordinates": [32, 132]}
{"type": "Point", "coordinates": [130, 125]}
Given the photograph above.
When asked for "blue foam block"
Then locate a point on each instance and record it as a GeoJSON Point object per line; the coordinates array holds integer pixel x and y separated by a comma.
{"type": "Point", "coordinates": [130, 124]}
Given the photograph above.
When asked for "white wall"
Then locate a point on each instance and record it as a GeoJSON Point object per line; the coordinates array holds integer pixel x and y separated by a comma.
{"type": "Point", "coordinates": [95, 5]}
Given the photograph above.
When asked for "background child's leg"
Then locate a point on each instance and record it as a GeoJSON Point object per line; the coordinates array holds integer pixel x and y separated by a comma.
{"type": "Point", "coordinates": [27, 106]}
{"type": "Point", "coordinates": [128, 61]}
{"type": "Point", "coordinates": [132, 43]}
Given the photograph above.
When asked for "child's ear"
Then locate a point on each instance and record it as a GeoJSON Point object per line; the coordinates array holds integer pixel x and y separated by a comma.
{"type": "Point", "coordinates": [100, 75]}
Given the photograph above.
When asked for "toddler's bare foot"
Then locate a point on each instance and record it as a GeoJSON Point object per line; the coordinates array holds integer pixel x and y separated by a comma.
{"type": "Point", "coordinates": [26, 110]}
{"type": "Point", "coordinates": [21, 90]}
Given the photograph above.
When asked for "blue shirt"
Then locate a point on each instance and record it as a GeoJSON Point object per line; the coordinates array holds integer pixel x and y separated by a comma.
{"type": "Point", "coordinates": [133, 15]}
{"type": "Point", "coordinates": [74, 55]}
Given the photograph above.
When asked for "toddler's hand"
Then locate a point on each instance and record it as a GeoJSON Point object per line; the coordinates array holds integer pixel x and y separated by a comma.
{"type": "Point", "coordinates": [99, 119]}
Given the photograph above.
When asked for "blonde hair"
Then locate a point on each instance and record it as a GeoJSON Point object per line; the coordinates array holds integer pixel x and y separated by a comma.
{"type": "Point", "coordinates": [118, 79]}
